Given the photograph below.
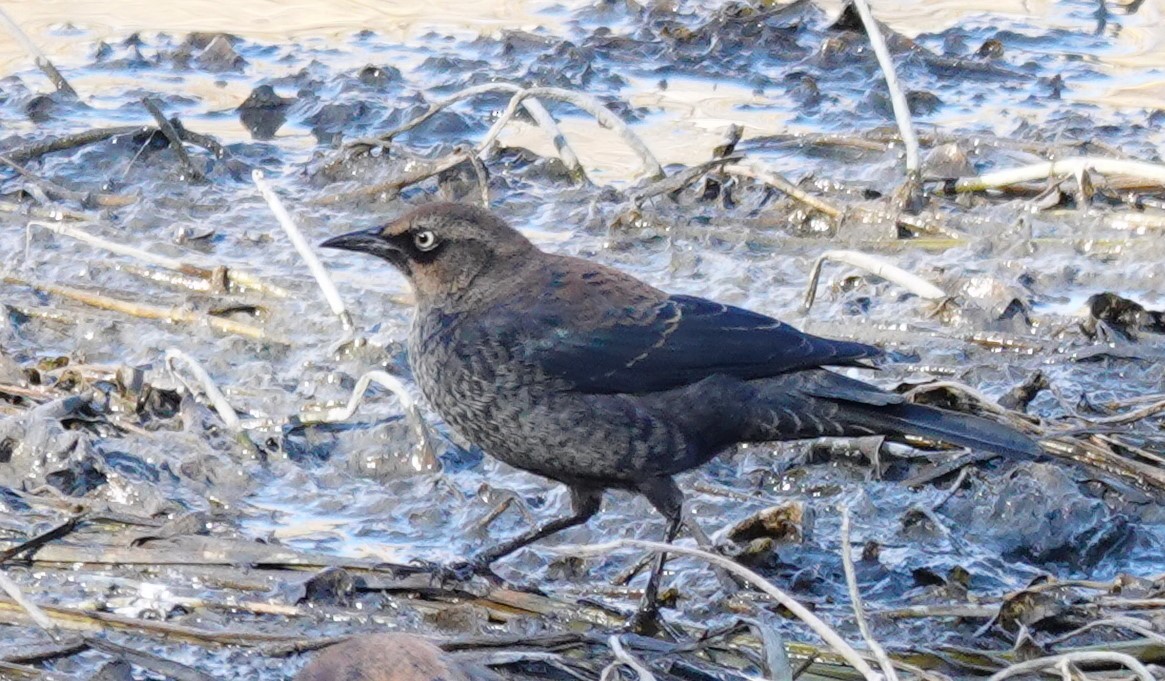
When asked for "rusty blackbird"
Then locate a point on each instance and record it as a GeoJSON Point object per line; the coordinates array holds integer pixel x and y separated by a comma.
{"type": "Point", "coordinates": [586, 375]}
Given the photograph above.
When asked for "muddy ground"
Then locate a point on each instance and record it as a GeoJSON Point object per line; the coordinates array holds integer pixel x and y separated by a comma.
{"type": "Point", "coordinates": [230, 546]}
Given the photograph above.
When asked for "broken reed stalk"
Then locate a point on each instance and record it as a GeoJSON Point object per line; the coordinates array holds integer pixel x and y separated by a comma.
{"type": "Point", "coordinates": [37, 615]}
{"type": "Point", "coordinates": [45, 212]}
{"type": "Point", "coordinates": [855, 597]}
{"type": "Point", "coordinates": [175, 139]}
{"type": "Point", "coordinates": [819, 627]}
{"type": "Point", "coordinates": [565, 153]}
{"type": "Point", "coordinates": [226, 412]}
{"type": "Point", "coordinates": [31, 545]}
{"type": "Point", "coordinates": [154, 663]}
{"type": "Point", "coordinates": [587, 103]}
{"type": "Point", "coordinates": [33, 654]}
{"type": "Point", "coordinates": [173, 315]}
{"type": "Point", "coordinates": [42, 61]}
{"type": "Point", "coordinates": [80, 139]}
{"type": "Point", "coordinates": [418, 170]}
{"type": "Point", "coordinates": [427, 460]}
{"type": "Point", "coordinates": [229, 276]}
{"type": "Point", "coordinates": [622, 657]}
{"type": "Point", "coordinates": [1135, 220]}
{"type": "Point", "coordinates": [532, 106]}
{"type": "Point", "coordinates": [57, 191]}
{"type": "Point", "coordinates": [77, 619]}
{"type": "Point", "coordinates": [17, 672]}
{"type": "Point", "coordinates": [897, 96]}
{"type": "Point", "coordinates": [680, 180]}
{"type": "Point", "coordinates": [778, 182]}
{"type": "Point", "coordinates": [1153, 172]}
{"type": "Point", "coordinates": [331, 295]}
{"type": "Point", "coordinates": [1139, 670]}
{"type": "Point", "coordinates": [482, 176]}
{"type": "Point", "coordinates": [876, 266]}
{"type": "Point", "coordinates": [169, 278]}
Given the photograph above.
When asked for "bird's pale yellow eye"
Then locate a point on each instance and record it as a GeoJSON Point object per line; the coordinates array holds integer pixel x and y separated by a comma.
{"type": "Point", "coordinates": [425, 240]}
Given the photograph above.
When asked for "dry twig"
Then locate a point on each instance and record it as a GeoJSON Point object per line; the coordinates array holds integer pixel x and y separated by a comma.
{"type": "Point", "coordinates": [57, 191]}
{"type": "Point", "coordinates": [80, 139]}
{"type": "Point", "coordinates": [175, 139]}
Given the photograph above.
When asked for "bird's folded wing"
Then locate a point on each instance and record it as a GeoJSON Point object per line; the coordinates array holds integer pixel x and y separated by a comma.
{"type": "Point", "coordinates": [675, 342]}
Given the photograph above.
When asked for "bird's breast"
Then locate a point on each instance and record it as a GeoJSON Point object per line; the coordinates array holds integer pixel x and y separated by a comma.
{"type": "Point", "coordinates": [470, 376]}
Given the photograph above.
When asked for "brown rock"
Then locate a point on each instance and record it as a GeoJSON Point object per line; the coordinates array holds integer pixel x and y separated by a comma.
{"type": "Point", "coordinates": [383, 657]}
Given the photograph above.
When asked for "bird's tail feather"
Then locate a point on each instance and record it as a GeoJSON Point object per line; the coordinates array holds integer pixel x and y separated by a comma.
{"type": "Point", "coordinates": [945, 426]}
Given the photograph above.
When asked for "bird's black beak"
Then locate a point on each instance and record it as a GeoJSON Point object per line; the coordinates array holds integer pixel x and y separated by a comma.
{"type": "Point", "coordinates": [364, 241]}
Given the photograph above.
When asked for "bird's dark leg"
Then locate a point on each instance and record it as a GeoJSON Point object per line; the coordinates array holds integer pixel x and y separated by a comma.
{"type": "Point", "coordinates": [584, 501]}
{"type": "Point", "coordinates": [667, 498]}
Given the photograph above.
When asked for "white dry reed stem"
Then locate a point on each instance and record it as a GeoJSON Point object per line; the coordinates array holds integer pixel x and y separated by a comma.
{"type": "Point", "coordinates": [218, 400]}
{"type": "Point", "coordinates": [394, 385]}
{"type": "Point", "coordinates": [1133, 664]}
{"type": "Point", "coordinates": [855, 596]}
{"type": "Point", "coordinates": [41, 60]}
{"type": "Point", "coordinates": [1154, 172]}
{"type": "Point", "coordinates": [38, 616]}
{"type": "Point", "coordinates": [897, 96]}
{"type": "Point", "coordinates": [587, 103]}
{"type": "Point", "coordinates": [876, 266]}
{"type": "Point", "coordinates": [625, 658]}
{"type": "Point", "coordinates": [305, 250]}
{"type": "Point", "coordinates": [242, 279]}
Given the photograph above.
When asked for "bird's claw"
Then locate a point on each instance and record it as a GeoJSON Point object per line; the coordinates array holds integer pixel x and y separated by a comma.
{"type": "Point", "coordinates": [461, 571]}
{"type": "Point", "coordinates": [645, 621]}
{"type": "Point", "coordinates": [457, 572]}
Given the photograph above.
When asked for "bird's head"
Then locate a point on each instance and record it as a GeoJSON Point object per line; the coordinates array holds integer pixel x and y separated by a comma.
{"type": "Point", "coordinates": [443, 248]}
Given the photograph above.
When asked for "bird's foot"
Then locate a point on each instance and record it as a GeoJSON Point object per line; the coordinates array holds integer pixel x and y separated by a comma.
{"type": "Point", "coordinates": [649, 621]}
{"type": "Point", "coordinates": [458, 572]}
{"type": "Point", "coordinates": [645, 621]}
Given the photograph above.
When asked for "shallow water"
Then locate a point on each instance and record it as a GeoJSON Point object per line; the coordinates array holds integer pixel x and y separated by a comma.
{"type": "Point", "coordinates": [680, 76]}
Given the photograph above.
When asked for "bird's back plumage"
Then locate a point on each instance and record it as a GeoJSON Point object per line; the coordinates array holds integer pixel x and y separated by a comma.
{"type": "Point", "coordinates": [603, 331]}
